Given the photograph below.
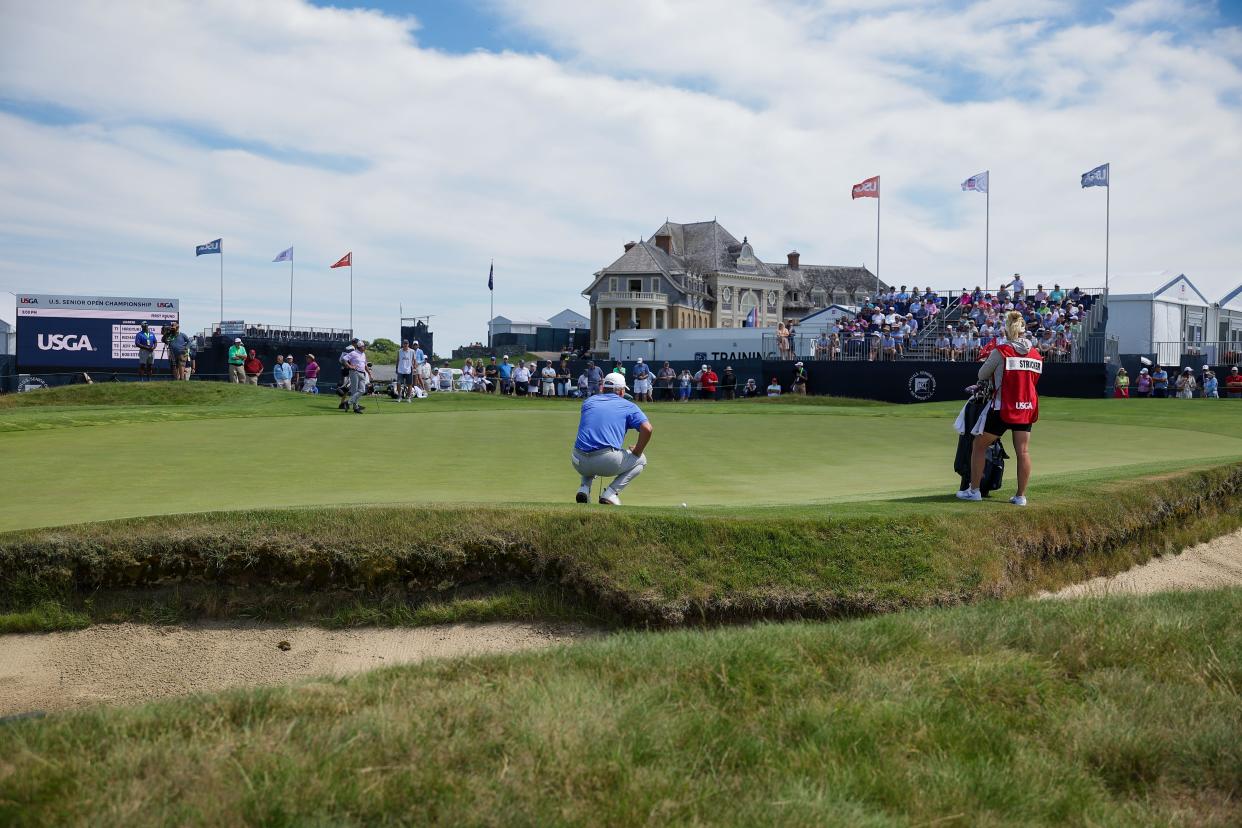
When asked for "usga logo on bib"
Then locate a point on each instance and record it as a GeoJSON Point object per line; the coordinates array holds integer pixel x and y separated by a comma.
{"type": "Point", "coordinates": [1022, 405]}
{"type": "Point", "coordinates": [65, 342]}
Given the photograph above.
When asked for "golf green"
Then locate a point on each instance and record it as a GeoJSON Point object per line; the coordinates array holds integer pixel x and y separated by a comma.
{"type": "Point", "coordinates": [73, 464]}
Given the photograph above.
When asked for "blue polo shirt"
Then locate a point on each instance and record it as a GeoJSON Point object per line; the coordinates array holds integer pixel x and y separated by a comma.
{"type": "Point", "coordinates": [604, 420]}
{"type": "Point", "coordinates": [144, 338]}
{"type": "Point", "coordinates": [505, 370]}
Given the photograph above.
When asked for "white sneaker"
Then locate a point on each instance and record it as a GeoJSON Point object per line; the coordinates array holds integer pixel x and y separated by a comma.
{"type": "Point", "coordinates": [1018, 500]}
{"type": "Point", "coordinates": [969, 494]}
{"type": "Point", "coordinates": [609, 498]}
{"type": "Point", "coordinates": [584, 495]}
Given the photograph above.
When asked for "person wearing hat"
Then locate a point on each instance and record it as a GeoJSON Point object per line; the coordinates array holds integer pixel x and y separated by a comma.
{"type": "Point", "coordinates": [774, 388]}
{"type": "Point", "coordinates": [1159, 383]}
{"type": "Point", "coordinates": [799, 379]}
{"type": "Point", "coordinates": [405, 372]}
{"type": "Point", "coordinates": [178, 350]}
{"type": "Point", "coordinates": [282, 372]}
{"type": "Point", "coordinates": [1121, 385]}
{"type": "Point", "coordinates": [707, 383]}
{"type": "Point", "coordinates": [310, 374]}
{"type": "Point", "coordinates": [642, 381]}
{"type": "Point", "coordinates": [1186, 384]}
{"type": "Point", "coordinates": [1233, 384]}
{"type": "Point", "coordinates": [1142, 385]}
{"type": "Point", "coordinates": [595, 377]}
{"type": "Point", "coordinates": [237, 361]}
{"type": "Point", "coordinates": [505, 371]}
{"type": "Point", "coordinates": [253, 366]}
{"type": "Point", "coordinates": [145, 342]}
{"type": "Point", "coordinates": [599, 449]}
{"type": "Point", "coordinates": [1211, 387]}
{"type": "Point", "coordinates": [728, 383]}
{"type": "Point", "coordinates": [356, 358]}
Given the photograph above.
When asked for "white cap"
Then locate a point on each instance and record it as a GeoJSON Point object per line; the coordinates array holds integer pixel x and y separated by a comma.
{"type": "Point", "coordinates": [704, 368]}
{"type": "Point", "coordinates": [238, 341]}
{"type": "Point", "coordinates": [797, 364]}
{"type": "Point", "coordinates": [614, 380]}
{"type": "Point", "coordinates": [640, 359]}
{"type": "Point", "coordinates": [349, 347]}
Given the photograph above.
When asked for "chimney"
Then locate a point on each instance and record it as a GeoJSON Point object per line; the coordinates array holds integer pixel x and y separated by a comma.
{"type": "Point", "coordinates": [628, 245]}
{"type": "Point", "coordinates": [665, 243]}
{"type": "Point", "coordinates": [793, 259]}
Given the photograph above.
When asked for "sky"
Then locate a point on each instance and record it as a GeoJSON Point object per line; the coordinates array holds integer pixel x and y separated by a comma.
{"type": "Point", "coordinates": [432, 138]}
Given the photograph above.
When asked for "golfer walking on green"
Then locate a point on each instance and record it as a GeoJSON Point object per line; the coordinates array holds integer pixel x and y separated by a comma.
{"type": "Point", "coordinates": [600, 447]}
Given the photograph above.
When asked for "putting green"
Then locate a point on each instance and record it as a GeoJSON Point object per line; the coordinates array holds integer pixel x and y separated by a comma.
{"type": "Point", "coordinates": [298, 451]}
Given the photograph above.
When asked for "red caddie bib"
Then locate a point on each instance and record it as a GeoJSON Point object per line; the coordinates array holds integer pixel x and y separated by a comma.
{"type": "Point", "coordinates": [1019, 399]}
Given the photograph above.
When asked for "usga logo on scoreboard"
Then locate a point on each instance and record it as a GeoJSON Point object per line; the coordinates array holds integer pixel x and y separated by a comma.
{"type": "Point", "coordinates": [65, 342]}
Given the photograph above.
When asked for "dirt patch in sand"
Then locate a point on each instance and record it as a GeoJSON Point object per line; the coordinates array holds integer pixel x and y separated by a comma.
{"type": "Point", "coordinates": [1217, 563]}
{"type": "Point", "coordinates": [132, 663]}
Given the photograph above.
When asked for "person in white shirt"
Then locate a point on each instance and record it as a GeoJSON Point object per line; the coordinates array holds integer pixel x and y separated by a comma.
{"type": "Point", "coordinates": [420, 363]}
{"type": "Point", "coordinates": [548, 386]}
{"type": "Point", "coordinates": [774, 388]}
{"type": "Point", "coordinates": [405, 371]}
{"type": "Point", "coordinates": [521, 379]}
{"type": "Point", "coordinates": [357, 360]}
{"type": "Point", "coordinates": [959, 344]}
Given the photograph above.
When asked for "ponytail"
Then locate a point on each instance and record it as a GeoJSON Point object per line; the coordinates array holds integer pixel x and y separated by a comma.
{"type": "Point", "coordinates": [1015, 326]}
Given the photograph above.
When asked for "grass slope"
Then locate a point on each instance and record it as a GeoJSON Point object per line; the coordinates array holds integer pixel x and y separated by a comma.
{"type": "Point", "coordinates": [652, 567]}
{"type": "Point", "coordinates": [207, 447]}
{"type": "Point", "coordinates": [1105, 712]}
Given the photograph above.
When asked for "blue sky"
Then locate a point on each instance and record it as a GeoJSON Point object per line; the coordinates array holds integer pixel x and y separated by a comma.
{"type": "Point", "coordinates": [432, 137]}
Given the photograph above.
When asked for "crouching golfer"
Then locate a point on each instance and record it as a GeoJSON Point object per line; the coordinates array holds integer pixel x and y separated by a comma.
{"type": "Point", "coordinates": [1014, 368]}
{"type": "Point", "coordinates": [600, 447]}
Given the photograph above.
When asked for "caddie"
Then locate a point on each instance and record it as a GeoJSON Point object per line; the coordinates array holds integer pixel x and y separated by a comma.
{"type": "Point", "coordinates": [600, 446]}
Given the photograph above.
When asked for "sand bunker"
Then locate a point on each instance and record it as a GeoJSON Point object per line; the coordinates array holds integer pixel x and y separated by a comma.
{"type": "Point", "coordinates": [1217, 563]}
{"type": "Point", "coordinates": [131, 663]}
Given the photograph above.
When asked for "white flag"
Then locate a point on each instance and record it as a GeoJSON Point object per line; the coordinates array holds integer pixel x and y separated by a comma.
{"type": "Point", "coordinates": [978, 183]}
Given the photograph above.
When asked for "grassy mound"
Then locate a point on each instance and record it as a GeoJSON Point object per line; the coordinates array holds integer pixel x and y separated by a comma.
{"type": "Point", "coordinates": [648, 567]}
{"type": "Point", "coordinates": [134, 393]}
{"type": "Point", "coordinates": [1104, 712]}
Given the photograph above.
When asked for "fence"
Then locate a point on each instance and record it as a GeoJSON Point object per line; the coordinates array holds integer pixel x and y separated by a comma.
{"type": "Point", "coordinates": [869, 348]}
{"type": "Point", "coordinates": [281, 332]}
{"type": "Point", "coordinates": [1217, 352]}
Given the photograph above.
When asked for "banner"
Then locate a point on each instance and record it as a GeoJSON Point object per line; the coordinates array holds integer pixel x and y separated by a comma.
{"type": "Point", "coordinates": [210, 247]}
{"type": "Point", "coordinates": [866, 189]}
{"type": "Point", "coordinates": [1097, 177]}
{"type": "Point", "coordinates": [87, 333]}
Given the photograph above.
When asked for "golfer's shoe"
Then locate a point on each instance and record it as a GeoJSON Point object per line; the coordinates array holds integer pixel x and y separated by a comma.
{"type": "Point", "coordinates": [969, 494]}
{"type": "Point", "coordinates": [358, 409]}
{"type": "Point", "coordinates": [344, 406]}
{"type": "Point", "coordinates": [1018, 500]}
{"type": "Point", "coordinates": [584, 495]}
{"type": "Point", "coordinates": [609, 498]}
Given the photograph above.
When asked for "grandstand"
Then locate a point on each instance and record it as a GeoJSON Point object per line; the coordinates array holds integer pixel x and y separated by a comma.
{"type": "Point", "coordinates": [268, 341]}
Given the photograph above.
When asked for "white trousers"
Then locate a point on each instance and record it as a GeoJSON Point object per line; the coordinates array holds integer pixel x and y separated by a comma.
{"type": "Point", "coordinates": [608, 462]}
{"type": "Point", "coordinates": [357, 386]}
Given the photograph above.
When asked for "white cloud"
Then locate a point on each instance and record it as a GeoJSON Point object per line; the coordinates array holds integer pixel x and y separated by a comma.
{"type": "Point", "coordinates": [279, 122]}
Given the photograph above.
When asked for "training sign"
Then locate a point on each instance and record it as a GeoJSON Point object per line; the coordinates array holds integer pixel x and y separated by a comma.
{"type": "Point", "coordinates": [85, 333]}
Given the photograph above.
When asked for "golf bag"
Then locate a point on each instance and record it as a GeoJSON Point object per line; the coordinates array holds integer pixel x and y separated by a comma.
{"type": "Point", "coordinates": [994, 459]}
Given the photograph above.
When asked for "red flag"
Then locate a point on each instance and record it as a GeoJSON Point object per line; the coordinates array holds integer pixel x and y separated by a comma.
{"type": "Point", "coordinates": [867, 189]}
{"type": "Point", "coordinates": [346, 261]}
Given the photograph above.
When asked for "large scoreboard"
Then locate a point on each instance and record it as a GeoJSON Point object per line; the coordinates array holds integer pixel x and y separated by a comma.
{"type": "Point", "coordinates": [84, 333]}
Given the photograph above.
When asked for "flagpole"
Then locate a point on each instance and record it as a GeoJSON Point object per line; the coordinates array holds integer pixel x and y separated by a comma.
{"type": "Point", "coordinates": [987, 230]}
{"type": "Point", "coordinates": [1108, 191]}
{"type": "Point", "coordinates": [351, 293]}
{"type": "Point", "coordinates": [877, 245]}
{"type": "Point", "coordinates": [291, 292]}
{"type": "Point", "coordinates": [222, 283]}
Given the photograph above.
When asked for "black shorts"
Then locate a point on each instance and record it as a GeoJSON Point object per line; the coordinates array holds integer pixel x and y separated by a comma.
{"type": "Point", "coordinates": [995, 425]}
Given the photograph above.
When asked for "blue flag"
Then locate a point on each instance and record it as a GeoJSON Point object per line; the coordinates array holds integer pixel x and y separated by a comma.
{"type": "Point", "coordinates": [284, 256]}
{"type": "Point", "coordinates": [216, 246]}
{"type": "Point", "coordinates": [1097, 177]}
{"type": "Point", "coordinates": [490, 270]}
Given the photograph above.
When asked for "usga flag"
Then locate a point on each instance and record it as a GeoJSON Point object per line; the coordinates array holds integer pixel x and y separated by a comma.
{"type": "Point", "coordinates": [284, 256]}
{"type": "Point", "coordinates": [490, 271]}
{"type": "Point", "coordinates": [866, 189]}
{"type": "Point", "coordinates": [978, 183]}
{"type": "Point", "coordinates": [209, 247]}
{"type": "Point", "coordinates": [1097, 177]}
{"type": "Point", "coordinates": [346, 261]}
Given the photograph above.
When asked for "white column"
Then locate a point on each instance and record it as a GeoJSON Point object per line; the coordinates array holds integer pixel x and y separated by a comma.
{"type": "Point", "coordinates": [614, 322]}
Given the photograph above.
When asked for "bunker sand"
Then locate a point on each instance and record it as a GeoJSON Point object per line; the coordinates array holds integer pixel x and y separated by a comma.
{"type": "Point", "coordinates": [1211, 565]}
{"type": "Point", "coordinates": [134, 663]}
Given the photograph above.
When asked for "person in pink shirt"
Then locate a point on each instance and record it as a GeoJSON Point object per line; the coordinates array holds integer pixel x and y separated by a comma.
{"type": "Point", "coordinates": [310, 375]}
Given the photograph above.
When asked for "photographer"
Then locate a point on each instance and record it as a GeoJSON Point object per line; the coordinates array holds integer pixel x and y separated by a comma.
{"type": "Point", "coordinates": [1014, 368]}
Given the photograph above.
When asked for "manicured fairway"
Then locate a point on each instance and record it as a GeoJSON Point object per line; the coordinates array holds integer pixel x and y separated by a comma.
{"type": "Point", "coordinates": [246, 448]}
